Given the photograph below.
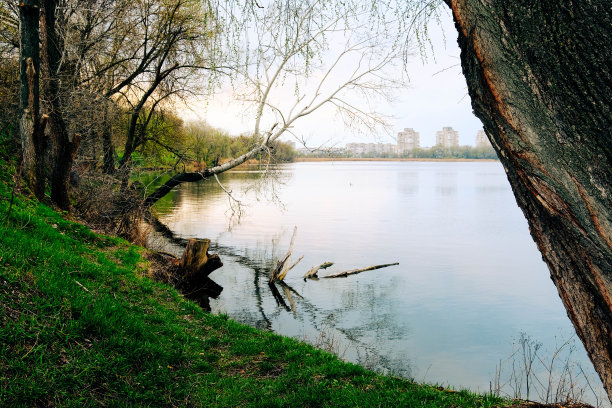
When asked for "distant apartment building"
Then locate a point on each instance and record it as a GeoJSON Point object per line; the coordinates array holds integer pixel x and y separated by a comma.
{"type": "Point", "coordinates": [407, 140]}
{"type": "Point", "coordinates": [447, 137]}
{"type": "Point", "coordinates": [482, 140]}
{"type": "Point", "coordinates": [358, 149]}
{"type": "Point", "coordinates": [321, 152]}
{"type": "Point", "coordinates": [387, 148]}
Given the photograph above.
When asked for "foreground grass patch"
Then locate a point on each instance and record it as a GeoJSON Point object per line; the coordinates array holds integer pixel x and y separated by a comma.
{"type": "Point", "coordinates": [82, 325]}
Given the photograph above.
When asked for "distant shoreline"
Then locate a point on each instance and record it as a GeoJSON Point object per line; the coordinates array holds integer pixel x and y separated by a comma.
{"type": "Point", "coordinates": [390, 159]}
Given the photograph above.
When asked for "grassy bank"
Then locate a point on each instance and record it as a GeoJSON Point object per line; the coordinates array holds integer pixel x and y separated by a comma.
{"type": "Point", "coordinates": [81, 324]}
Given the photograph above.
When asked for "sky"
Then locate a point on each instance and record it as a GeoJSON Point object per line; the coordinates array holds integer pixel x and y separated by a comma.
{"type": "Point", "coordinates": [436, 97]}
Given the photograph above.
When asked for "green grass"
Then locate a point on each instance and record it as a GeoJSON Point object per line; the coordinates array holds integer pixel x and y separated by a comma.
{"type": "Point", "coordinates": [82, 325]}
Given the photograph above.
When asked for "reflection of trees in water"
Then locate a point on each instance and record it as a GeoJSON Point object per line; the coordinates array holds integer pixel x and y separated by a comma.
{"type": "Point", "coordinates": [259, 180]}
{"type": "Point", "coordinates": [374, 324]}
{"type": "Point", "coordinates": [365, 339]}
{"type": "Point", "coordinates": [408, 182]}
{"type": "Point", "coordinates": [492, 189]}
{"type": "Point", "coordinates": [235, 190]}
{"type": "Point", "coordinates": [361, 335]}
{"type": "Point", "coordinates": [446, 183]}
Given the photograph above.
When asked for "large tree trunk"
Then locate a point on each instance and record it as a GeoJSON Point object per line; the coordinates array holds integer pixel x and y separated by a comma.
{"type": "Point", "coordinates": [66, 145]}
{"type": "Point", "coordinates": [30, 127]}
{"type": "Point", "coordinates": [538, 73]}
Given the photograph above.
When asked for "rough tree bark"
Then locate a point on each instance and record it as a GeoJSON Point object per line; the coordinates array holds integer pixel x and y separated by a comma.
{"type": "Point", "coordinates": [31, 128]}
{"type": "Point", "coordinates": [66, 145]}
{"type": "Point", "coordinates": [538, 74]}
{"type": "Point", "coordinates": [196, 262]}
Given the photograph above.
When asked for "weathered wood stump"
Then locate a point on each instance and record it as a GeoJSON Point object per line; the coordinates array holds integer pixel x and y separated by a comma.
{"type": "Point", "coordinates": [196, 263]}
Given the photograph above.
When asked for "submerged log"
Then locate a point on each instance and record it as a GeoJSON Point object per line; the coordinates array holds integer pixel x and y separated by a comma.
{"type": "Point", "coordinates": [356, 271]}
{"type": "Point", "coordinates": [196, 262]}
{"type": "Point", "coordinates": [312, 272]}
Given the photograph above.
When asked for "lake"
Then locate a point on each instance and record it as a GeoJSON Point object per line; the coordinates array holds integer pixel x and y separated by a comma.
{"type": "Point", "coordinates": [470, 279]}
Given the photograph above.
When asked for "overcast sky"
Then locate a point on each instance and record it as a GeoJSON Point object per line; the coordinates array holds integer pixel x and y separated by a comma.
{"type": "Point", "coordinates": [437, 97]}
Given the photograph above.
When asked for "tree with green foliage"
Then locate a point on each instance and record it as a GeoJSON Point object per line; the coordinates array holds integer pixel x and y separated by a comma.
{"type": "Point", "coordinates": [538, 74]}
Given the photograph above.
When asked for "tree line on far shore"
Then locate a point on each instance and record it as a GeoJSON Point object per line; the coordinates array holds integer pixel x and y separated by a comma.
{"type": "Point", "coordinates": [435, 152]}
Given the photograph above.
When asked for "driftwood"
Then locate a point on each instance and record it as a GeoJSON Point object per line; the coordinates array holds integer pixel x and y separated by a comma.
{"type": "Point", "coordinates": [356, 271]}
{"type": "Point", "coordinates": [282, 266]}
{"type": "Point", "coordinates": [312, 272]}
{"type": "Point", "coordinates": [284, 273]}
{"type": "Point", "coordinates": [196, 262]}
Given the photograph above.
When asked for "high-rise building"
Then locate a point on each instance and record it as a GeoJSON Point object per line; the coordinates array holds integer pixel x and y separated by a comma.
{"type": "Point", "coordinates": [447, 137]}
{"type": "Point", "coordinates": [407, 140]}
{"type": "Point", "coordinates": [482, 140]}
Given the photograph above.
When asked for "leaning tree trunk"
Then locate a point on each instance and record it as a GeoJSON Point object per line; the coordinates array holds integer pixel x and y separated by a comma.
{"type": "Point", "coordinates": [538, 73]}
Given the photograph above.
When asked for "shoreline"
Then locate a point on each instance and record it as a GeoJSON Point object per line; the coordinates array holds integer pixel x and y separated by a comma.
{"type": "Point", "coordinates": [387, 159]}
{"type": "Point", "coordinates": [254, 162]}
{"type": "Point", "coordinates": [87, 323]}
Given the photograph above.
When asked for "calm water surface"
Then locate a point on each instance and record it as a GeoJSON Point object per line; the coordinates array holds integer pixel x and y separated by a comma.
{"type": "Point", "coordinates": [469, 280]}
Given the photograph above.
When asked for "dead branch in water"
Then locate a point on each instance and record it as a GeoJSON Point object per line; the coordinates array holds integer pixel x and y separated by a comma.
{"type": "Point", "coordinates": [355, 271]}
{"type": "Point", "coordinates": [312, 272]}
{"type": "Point", "coordinates": [279, 273]}
{"type": "Point", "coordinates": [284, 273]}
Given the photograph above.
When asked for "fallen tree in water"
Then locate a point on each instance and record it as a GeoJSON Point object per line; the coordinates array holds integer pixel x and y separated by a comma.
{"type": "Point", "coordinates": [312, 272]}
{"type": "Point", "coordinates": [356, 271]}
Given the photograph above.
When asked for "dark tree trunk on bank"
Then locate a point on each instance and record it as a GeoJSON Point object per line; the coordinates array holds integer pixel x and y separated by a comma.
{"type": "Point", "coordinates": [538, 73]}
{"type": "Point", "coordinates": [66, 145]}
{"type": "Point", "coordinates": [31, 128]}
{"type": "Point", "coordinates": [136, 129]}
{"type": "Point", "coordinates": [107, 144]}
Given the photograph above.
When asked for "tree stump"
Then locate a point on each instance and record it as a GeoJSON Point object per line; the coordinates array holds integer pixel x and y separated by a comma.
{"type": "Point", "coordinates": [196, 262]}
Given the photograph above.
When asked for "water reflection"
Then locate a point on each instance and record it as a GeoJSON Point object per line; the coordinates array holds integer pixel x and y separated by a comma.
{"type": "Point", "coordinates": [206, 290]}
{"type": "Point", "coordinates": [408, 182]}
{"type": "Point", "coordinates": [446, 183]}
{"type": "Point", "coordinates": [470, 277]}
